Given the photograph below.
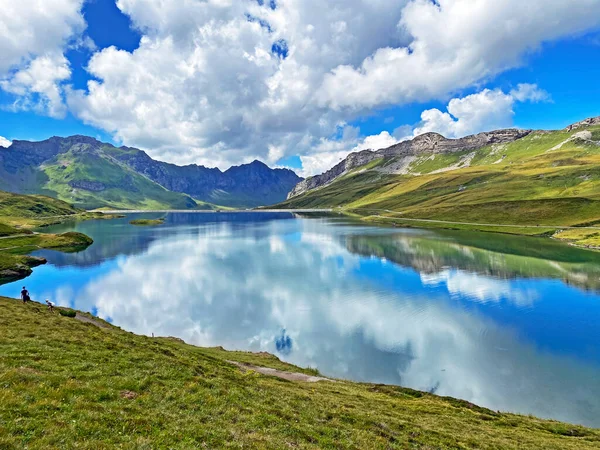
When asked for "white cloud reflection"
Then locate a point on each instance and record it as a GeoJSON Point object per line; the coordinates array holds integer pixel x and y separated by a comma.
{"type": "Point", "coordinates": [479, 287]}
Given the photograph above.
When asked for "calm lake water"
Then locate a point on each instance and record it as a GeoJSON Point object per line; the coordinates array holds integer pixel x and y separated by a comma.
{"type": "Point", "coordinates": [509, 323]}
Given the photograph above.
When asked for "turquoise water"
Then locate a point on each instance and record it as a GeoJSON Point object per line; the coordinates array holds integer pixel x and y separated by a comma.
{"type": "Point", "coordinates": [509, 323]}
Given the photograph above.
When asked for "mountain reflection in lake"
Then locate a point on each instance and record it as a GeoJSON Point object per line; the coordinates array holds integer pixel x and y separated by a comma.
{"type": "Point", "coordinates": [505, 322]}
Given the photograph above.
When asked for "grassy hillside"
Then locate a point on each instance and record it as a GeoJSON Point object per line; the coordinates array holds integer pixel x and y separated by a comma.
{"type": "Point", "coordinates": [67, 384]}
{"type": "Point", "coordinates": [32, 206]}
{"type": "Point", "coordinates": [92, 175]}
{"type": "Point", "coordinates": [94, 181]}
{"type": "Point", "coordinates": [550, 179]}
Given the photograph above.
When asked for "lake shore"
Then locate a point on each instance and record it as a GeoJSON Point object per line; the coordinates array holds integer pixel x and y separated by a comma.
{"type": "Point", "coordinates": [95, 377]}
{"type": "Point", "coordinates": [17, 240]}
{"type": "Point", "coordinates": [587, 237]}
{"type": "Point", "coordinates": [15, 262]}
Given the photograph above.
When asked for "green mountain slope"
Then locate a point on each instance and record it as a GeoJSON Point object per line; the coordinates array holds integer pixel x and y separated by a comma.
{"type": "Point", "coordinates": [33, 206]}
{"type": "Point", "coordinates": [544, 178]}
{"type": "Point", "coordinates": [92, 174]}
{"type": "Point", "coordinates": [67, 383]}
{"type": "Point", "coordinates": [82, 171]}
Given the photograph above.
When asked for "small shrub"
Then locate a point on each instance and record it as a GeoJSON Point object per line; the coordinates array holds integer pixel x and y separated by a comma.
{"type": "Point", "coordinates": [67, 313]}
{"type": "Point", "coordinates": [313, 371]}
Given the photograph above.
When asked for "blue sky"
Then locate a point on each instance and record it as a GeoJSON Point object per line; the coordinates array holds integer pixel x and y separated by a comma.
{"type": "Point", "coordinates": [197, 82]}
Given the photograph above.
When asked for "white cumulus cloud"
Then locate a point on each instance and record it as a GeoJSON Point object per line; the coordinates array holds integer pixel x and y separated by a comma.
{"type": "Point", "coordinates": [221, 82]}
{"type": "Point", "coordinates": [330, 152]}
{"type": "Point", "coordinates": [205, 86]}
{"type": "Point", "coordinates": [38, 86]}
{"type": "Point", "coordinates": [483, 111]}
{"type": "Point", "coordinates": [454, 43]}
{"type": "Point", "coordinates": [34, 35]}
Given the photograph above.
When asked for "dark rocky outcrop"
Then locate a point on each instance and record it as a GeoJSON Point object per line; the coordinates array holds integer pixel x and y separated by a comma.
{"type": "Point", "coordinates": [93, 186]}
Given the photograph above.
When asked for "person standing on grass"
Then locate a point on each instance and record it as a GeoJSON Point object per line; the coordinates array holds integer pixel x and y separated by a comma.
{"type": "Point", "coordinates": [50, 305]}
{"type": "Point", "coordinates": [25, 295]}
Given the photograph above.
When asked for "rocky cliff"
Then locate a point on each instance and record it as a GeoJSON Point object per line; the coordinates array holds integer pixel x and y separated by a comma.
{"type": "Point", "coordinates": [430, 143]}
{"type": "Point", "coordinates": [584, 123]}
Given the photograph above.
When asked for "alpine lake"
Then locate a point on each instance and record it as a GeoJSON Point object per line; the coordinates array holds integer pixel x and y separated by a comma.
{"type": "Point", "coordinates": [506, 322]}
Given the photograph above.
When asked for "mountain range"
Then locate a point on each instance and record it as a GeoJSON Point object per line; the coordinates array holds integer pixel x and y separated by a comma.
{"type": "Point", "coordinates": [525, 177]}
{"type": "Point", "coordinates": [91, 174]}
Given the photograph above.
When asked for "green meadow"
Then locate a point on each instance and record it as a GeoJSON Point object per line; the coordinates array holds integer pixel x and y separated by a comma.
{"type": "Point", "coordinates": [73, 384]}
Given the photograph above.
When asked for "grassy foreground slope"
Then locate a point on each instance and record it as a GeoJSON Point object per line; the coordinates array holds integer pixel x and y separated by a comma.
{"type": "Point", "coordinates": [69, 384]}
{"type": "Point", "coordinates": [550, 179]}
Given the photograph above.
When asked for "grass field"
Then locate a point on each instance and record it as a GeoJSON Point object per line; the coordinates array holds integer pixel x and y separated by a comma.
{"type": "Point", "coordinates": [547, 179]}
{"type": "Point", "coordinates": [68, 384]}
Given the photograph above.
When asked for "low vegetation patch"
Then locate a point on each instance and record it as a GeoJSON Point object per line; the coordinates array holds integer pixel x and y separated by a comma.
{"type": "Point", "coordinates": [583, 237]}
{"type": "Point", "coordinates": [7, 230]}
{"type": "Point", "coordinates": [69, 384]}
{"type": "Point", "coordinates": [147, 222]}
{"type": "Point", "coordinates": [67, 313]}
{"type": "Point", "coordinates": [19, 213]}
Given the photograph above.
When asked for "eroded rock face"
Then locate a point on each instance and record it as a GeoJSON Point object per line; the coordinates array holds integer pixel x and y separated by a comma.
{"type": "Point", "coordinates": [584, 123]}
{"type": "Point", "coordinates": [93, 186]}
{"type": "Point", "coordinates": [425, 143]}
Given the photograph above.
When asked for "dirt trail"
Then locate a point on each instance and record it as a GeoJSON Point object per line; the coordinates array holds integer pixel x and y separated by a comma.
{"type": "Point", "coordinates": [290, 376]}
{"type": "Point", "coordinates": [12, 236]}
{"type": "Point", "coordinates": [398, 215]}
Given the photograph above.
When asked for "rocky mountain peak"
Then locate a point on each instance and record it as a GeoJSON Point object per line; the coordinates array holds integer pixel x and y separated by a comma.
{"type": "Point", "coordinates": [429, 138]}
{"type": "Point", "coordinates": [584, 123]}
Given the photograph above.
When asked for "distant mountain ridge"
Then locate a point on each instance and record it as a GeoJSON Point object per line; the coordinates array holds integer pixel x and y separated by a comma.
{"type": "Point", "coordinates": [253, 184]}
{"type": "Point", "coordinates": [92, 174]}
{"type": "Point", "coordinates": [406, 152]}
{"type": "Point", "coordinates": [407, 157]}
{"type": "Point", "coordinates": [526, 182]}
